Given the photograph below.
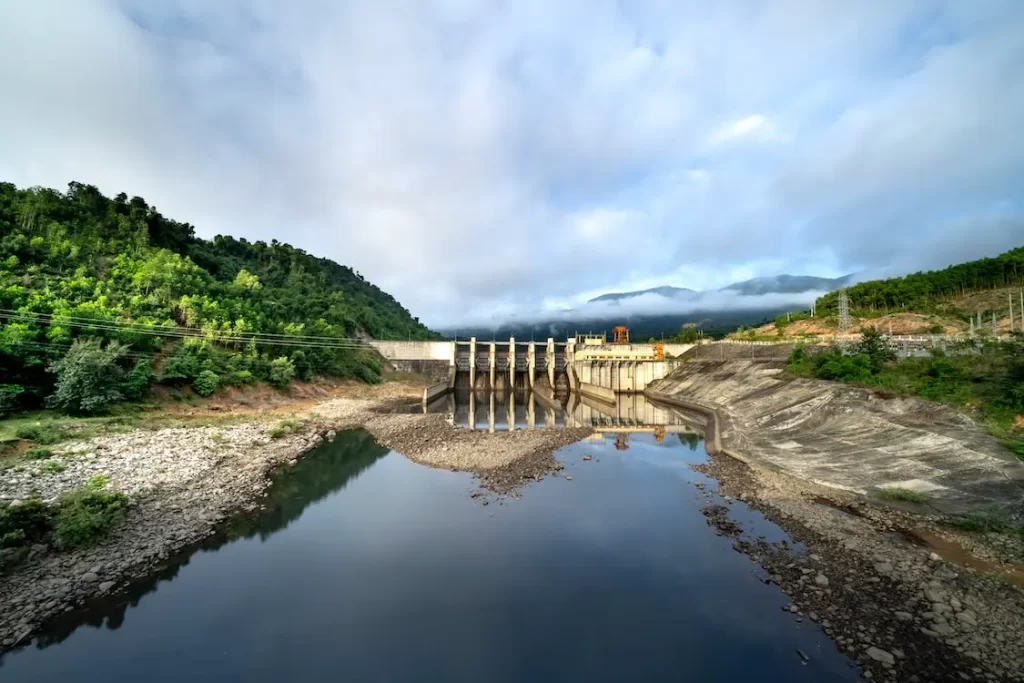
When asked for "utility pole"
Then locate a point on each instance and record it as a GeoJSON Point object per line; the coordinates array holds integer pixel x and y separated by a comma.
{"type": "Point", "coordinates": [844, 310]}
{"type": "Point", "coordinates": [1009, 296]}
{"type": "Point", "coordinates": [993, 324]}
{"type": "Point", "coordinates": [971, 332]}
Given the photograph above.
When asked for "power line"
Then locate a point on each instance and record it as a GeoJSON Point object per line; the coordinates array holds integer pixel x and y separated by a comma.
{"type": "Point", "coordinates": [183, 333]}
{"type": "Point", "coordinates": [60, 318]}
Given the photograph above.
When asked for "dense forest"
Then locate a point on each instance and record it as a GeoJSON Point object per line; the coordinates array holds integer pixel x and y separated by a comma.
{"type": "Point", "coordinates": [94, 289]}
{"type": "Point", "coordinates": [925, 291]}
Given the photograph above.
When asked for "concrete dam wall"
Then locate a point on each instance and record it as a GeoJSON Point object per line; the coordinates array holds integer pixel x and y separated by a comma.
{"type": "Point", "coordinates": [848, 438]}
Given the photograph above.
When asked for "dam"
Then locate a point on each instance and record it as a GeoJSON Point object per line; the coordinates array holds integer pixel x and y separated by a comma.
{"type": "Point", "coordinates": [578, 364]}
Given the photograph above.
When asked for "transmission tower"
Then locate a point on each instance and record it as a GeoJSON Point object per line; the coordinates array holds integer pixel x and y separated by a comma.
{"type": "Point", "coordinates": [844, 310]}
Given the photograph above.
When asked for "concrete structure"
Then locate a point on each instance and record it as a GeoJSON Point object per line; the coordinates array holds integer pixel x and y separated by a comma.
{"type": "Point", "coordinates": [844, 437]}
{"type": "Point", "coordinates": [620, 377]}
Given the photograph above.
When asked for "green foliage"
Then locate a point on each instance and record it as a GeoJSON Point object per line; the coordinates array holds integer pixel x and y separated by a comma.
{"type": "Point", "coordinates": [921, 291]}
{"type": "Point", "coordinates": [82, 258]}
{"type": "Point", "coordinates": [138, 381]}
{"type": "Point", "coordinates": [936, 328]}
{"type": "Point", "coordinates": [86, 515]}
{"type": "Point", "coordinates": [28, 522]}
{"type": "Point", "coordinates": [872, 344]}
{"type": "Point", "coordinates": [206, 383]}
{"type": "Point", "coordinates": [37, 453]}
{"type": "Point", "coordinates": [9, 398]}
{"type": "Point", "coordinates": [688, 335]}
{"type": "Point", "coordinates": [45, 434]}
{"type": "Point", "coordinates": [88, 377]}
{"type": "Point", "coordinates": [898, 493]}
{"type": "Point", "coordinates": [281, 372]}
{"type": "Point", "coordinates": [284, 428]}
{"type": "Point", "coordinates": [54, 467]}
{"type": "Point", "coordinates": [984, 521]}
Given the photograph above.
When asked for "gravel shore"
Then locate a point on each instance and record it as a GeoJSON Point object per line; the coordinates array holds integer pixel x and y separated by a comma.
{"type": "Point", "coordinates": [902, 611]}
{"type": "Point", "coordinates": [184, 482]}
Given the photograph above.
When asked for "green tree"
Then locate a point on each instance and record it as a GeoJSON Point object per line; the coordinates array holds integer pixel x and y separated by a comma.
{"type": "Point", "coordinates": [873, 345]}
{"type": "Point", "coordinates": [88, 377]}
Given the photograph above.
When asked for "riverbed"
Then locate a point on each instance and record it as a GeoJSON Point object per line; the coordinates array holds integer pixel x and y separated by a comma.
{"type": "Point", "coordinates": [367, 566]}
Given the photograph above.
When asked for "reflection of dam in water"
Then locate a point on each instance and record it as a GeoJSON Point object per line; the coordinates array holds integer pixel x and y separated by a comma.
{"type": "Point", "coordinates": [504, 410]}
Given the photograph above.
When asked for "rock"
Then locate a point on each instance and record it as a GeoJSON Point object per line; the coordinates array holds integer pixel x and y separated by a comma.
{"type": "Point", "coordinates": [568, 477]}
{"type": "Point", "coordinates": [934, 595]}
{"type": "Point", "coordinates": [903, 616]}
{"type": "Point", "coordinates": [821, 580]}
{"type": "Point", "coordinates": [815, 558]}
{"type": "Point", "coordinates": [934, 557]}
{"type": "Point", "coordinates": [941, 608]}
{"type": "Point", "coordinates": [331, 435]}
{"type": "Point", "coordinates": [883, 568]}
{"type": "Point", "coordinates": [967, 617]}
{"type": "Point", "coordinates": [943, 629]}
{"type": "Point", "coordinates": [106, 586]}
{"type": "Point", "coordinates": [90, 577]}
{"type": "Point", "coordinates": [956, 604]}
{"type": "Point", "coordinates": [803, 655]}
{"type": "Point", "coordinates": [587, 456]}
{"type": "Point", "coordinates": [944, 573]}
{"type": "Point", "coordinates": [880, 655]}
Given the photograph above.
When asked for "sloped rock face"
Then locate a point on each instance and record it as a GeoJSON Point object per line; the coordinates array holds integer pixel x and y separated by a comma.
{"type": "Point", "coordinates": [849, 438]}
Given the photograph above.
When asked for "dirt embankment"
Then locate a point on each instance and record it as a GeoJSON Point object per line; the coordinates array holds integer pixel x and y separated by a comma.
{"type": "Point", "coordinates": [185, 481]}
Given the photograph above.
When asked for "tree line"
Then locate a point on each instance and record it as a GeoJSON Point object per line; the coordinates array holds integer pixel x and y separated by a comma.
{"type": "Point", "coordinates": [924, 290]}
{"type": "Point", "coordinates": [142, 296]}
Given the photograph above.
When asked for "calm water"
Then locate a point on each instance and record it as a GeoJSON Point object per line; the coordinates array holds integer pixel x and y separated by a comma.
{"type": "Point", "coordinates": [367, 567]}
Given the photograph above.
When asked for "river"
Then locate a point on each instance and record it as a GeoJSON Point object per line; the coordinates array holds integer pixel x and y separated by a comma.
{"type": "Point", "coordinates": [368, 567]}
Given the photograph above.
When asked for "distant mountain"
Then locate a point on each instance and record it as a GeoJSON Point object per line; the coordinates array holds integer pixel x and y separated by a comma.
{"type": "Point", "coordinates": [777, 284]}
{"type": "Point", "coordinates": [786, 284]}
{"type": "Point", "coordinates": [666, 291]}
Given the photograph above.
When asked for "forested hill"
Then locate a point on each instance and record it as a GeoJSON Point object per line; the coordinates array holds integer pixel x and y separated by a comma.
{"type": "Point", "coordinates": [925, 291]}
{"type": "Point", "coordinates": [71, 259]}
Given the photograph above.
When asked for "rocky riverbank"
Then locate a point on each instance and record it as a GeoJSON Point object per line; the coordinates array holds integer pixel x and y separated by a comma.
{"type": "Point", "coordinates": [185, 481]}
{"type": "Point", "coordinates": [901, 610]}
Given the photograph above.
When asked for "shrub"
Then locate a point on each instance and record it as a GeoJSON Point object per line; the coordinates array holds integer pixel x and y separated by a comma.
{"type": "Point", "coordinates": [54, 467]}
{"type": "Point", "coordinates": [281, 371]}
{"type": "Point", "coordinates": [984, 521]}
{"type": "Point", "coordinates": [38, 453]}
{"type": "Point", "coordinates": [936, 328]}
{"type": "Point", "coordinates": [242, 377]}
{"type": "Point", "coordinates": [206, 383]}
{"type": "Point", "coordinates": [898, 493]}
{"type": "Point", "coordinates": [192, 358]}
{"type": "Point", "coordinates": [26, 523]}
{"type": "Point", "coordinates": [88, 514]}
{"type": "Point", "coordinates": [43, 434]}
{"type": "Point", "coordinates": [874, 346]}
{"type": "Point", "coordinates": [88, 377]}
{"type": "Point", "coordinates": [284, 428]}
{"type": "Point", "coordinates": [9, 395]}
{"type": "Point", "coordinates": [136, 384]}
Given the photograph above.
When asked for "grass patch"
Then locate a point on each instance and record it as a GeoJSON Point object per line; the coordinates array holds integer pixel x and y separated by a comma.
{"type": "Point", "coordinates": [37, 453]}
{"type": "Point", "coordinates": [284, 428]}
{"type": "Point", "coordinates": [898, 493]}
{"type": "Point", "coordinates": [44, 434]}
{"type": "Point", "coordinates": [87, 515]}
{"type": "Point", "coordinates": [984, 522]}
{"type": "Point", "coordinates": [54, 467]}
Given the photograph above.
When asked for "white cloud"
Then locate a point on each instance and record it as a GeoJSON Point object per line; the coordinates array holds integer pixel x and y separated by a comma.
{"type": "Point", "coordinates": [473, 156]}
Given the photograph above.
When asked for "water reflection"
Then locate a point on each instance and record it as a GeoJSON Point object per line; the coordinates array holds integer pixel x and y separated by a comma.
{"type": "Point", "coordinates": [312, 478]}
{"type": "Point", "coordinates": [632, 413]}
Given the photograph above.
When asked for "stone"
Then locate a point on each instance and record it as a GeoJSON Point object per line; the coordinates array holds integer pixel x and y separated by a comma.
{"type": "Point", "coordinates": [90, 577]}
{"type": "Point", "coordinates": [967, 617]}
{"type": "Point", "coordinates": [106, 586]}
{"type": "Point", "coordinates": [944, 573]}
{"type": "Point", "coordinates": [880, 655]}
{"type": "Point", "coordinates": [933, 595]}
{"type": "Point", "coordinates": [821, 580]}
{"type": "Point", "coordinates": [587, 456]}
{"type": "Point", "coordinates": [943, 629]}
{"type": "Point", "coordinates": [331, 435]}
{"type": "Point", "coordinates": [941, 608]}
{"type": "Point", "coordinates": [934, 557]}
{"type": "Point", "coordinates": [568, 477]}
{"type": "Point", "coordinates": [903, 616]}
{"type": "Point", "coordinates": [956, 604]}
{"type": "Point", "coordinates": [883, 567]}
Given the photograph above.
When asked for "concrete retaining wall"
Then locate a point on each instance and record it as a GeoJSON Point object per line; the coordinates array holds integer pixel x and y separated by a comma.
{"type": "Point", "coordinates": [598, 392]}
{"type": "Point", "coordinates": [415, 350]}
{"type": "Point", "coordinates": [621, 376]}
{"type": "Point", "coordinates": [436, 370]}
{"type": "Point", "coordinates": [434, 390]}
{"type": "Point", "coordinates": [847, 438]}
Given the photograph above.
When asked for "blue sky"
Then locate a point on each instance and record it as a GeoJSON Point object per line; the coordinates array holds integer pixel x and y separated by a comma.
{"type": "Point", "coordinates": [482, 158]}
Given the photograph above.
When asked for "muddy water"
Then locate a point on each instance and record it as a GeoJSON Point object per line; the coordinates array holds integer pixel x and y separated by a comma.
{"type": "Point", "coordinates": [368, 567]}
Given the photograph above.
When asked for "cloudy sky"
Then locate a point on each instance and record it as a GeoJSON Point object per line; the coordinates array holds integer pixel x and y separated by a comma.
{"type": "Point", "coordinates": [475, 156]}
